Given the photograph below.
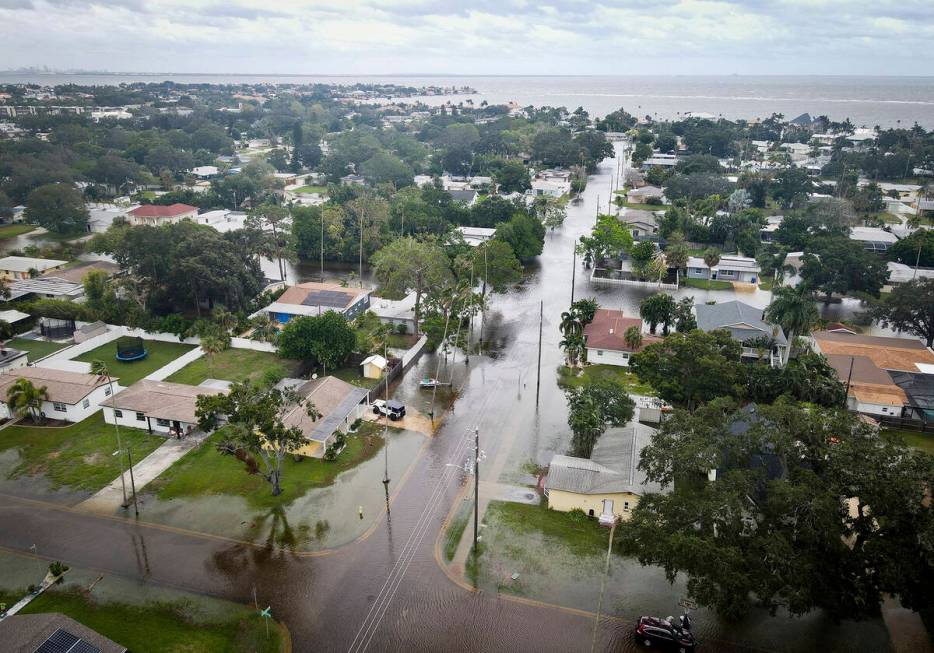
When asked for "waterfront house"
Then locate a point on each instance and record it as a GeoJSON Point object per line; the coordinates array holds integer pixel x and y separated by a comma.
{"type": "Point", "coordinates": [46, 287]}
{"type": "Point", "coordinates": [26, 267]}
{"type": "Point", "coordinates": [339, 403]}
{"type": "Point", "coordinates": [609, 484]}
{"type": "Point", "coordinates": [156, 215]}
{"type": "Point", "coordinates": [157, 406]}
{"type": "Point", "coordinates": [73, 396]}
{"type": "Point", "coordinates": [396, 312]}
{"type": "Point", "coordinates": [730, 268]}
{"type": "Point", "coordinates": [642, 224]}
{"type": "Point", "coordinates": [313, 298]}
{"type": "Point", "coordinates": [745, 324]}
{"type": "Point", "coordinates": [605, 338]}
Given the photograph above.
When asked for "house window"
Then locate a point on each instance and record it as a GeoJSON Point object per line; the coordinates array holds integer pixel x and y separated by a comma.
{"type": "Point", "coordinates": [107, 391]}
{"type": "Point", "coordinates": [625, 355]}
{"type": "Point", "coordinates": [625, 506]}
{"type": "Point", "coordinates": [140, 417]}
{"type": "Point", "coordinates": [599, 352]}
{"type": "Point", "coordinates": [86, 403]}
{"type": "Point", "coordinates": [59, 406]}
{"type": "Point", "coordinates": [118, 413]}
{"type": "Point", "coordinates": [162, 422]}
{"type": "Point", "coordinates": [727, 273]}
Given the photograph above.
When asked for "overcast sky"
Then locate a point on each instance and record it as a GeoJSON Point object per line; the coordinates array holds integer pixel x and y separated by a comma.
{"type": "Point", "coordinates": [880, 37]}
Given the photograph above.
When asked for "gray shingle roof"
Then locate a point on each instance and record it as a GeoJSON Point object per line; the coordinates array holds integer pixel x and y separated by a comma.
{"type": "Point", "coordinates": [743, 321]}
{"type": "Point", "coordinates": [612, 466]}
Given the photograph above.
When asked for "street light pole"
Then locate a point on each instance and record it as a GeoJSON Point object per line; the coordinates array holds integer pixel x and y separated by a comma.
{"type": "Point", "coordinates": [573, 272]}
{"type": "Point", "coordinates": [476, 487]}
{"type": "Point", "coordinates": [538, 382]}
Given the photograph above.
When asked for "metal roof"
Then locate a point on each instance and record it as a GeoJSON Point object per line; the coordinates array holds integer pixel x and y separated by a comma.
{"type": "Point", "coordinates": [743, 321]}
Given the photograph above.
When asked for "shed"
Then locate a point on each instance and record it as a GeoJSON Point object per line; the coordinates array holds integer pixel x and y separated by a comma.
{"type": "Point", "coordinates": [373, 366]}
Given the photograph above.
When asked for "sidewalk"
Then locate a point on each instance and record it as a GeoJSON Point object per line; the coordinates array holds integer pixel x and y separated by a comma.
{"type": "Point", "coordinates": [111, 497]}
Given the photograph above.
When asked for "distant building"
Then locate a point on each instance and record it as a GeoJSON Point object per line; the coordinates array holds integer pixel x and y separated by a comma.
{"type": "Point", "coordinates": [156, 215]}
{"type": "Point", "coordinates": [642, 224]}
{"type": "Point", "coordinates": [474, 236]}
{"type": "Point", "coordinates": [467, 197]}
{"type": "Point", "coordinates": [47, 288]}
{"type": "Point", "coordinates": [641, 195]}
{"type": "Point", "coordinates": [730, 268]}
{"type": "Point", "coordinates": [22, 267]}
{"type": "Point", "coordinates": [205, 172]}
{"type": "Point", "coordinates": [660, 160]}
{"type": "Point", "coordinates": [873, 239]}
{"type": "Point", "coordinates": [313, 298]}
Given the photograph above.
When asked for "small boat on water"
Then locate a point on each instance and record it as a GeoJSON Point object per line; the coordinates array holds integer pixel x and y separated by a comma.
{"type": "Point", "coordinates": [429, 382]}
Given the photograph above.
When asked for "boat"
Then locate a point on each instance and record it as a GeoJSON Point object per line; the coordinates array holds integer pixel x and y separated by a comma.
{"type": "Point", "coordinates": [429, 382]}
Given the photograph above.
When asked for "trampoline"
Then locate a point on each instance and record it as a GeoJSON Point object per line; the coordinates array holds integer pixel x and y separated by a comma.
{"type": "Point", "coordinates": [131, 349]}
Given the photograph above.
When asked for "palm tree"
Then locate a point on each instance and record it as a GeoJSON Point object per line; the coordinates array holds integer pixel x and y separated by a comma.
{"type": "Point", "coordinates": [633, 337]}
{"type": "Point", "coordinates": [574, 347]}
{"type": "Point", "coordinates": [264, 329]}
{"type": "Point", "coordinates": [570, 323]}
{"type": "Point", "coordinates": [26, 399]}
{"type": "Point", "coordinates": [660, 262]}
{"type": "Point", "coordinates": [711, 258]}
{"type": "Point", "coordinates": [99, 368]}
{"type": "Point", "coordinates": [212, 345]}
{"type": "Point", "coordinates": [794, 309]}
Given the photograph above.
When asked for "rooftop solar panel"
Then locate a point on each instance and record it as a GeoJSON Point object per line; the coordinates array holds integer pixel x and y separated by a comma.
{"type": "Point", "coordinates": [333, 298]}
{"type": "Point", "coordinates": [61, 641]}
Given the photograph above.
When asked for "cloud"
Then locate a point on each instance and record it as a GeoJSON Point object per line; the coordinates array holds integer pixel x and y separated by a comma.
{"type": "Point", "coordinates": [480, 37]}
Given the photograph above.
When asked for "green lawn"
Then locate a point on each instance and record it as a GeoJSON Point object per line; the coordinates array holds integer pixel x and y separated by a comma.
{"type": "Point", "coordinates": [165, 627]}
{"type": "Point", "coordinates": [583, 536]}
{"type": "Point", "coordinates": [714, 284]}
{"type": "Point", "coordinates": [36, 348]}
{"type": "Point", "coordinates": [455, 529]}
{"type": "Point", "coordinates": [236, 365]}
{"type": "Point", "coordinates": [13, 230]}
{"type": "Point", "coordinates": [766, 284]}
{"type": "Point", "coordinates": [354, 376]}
{"type": "Point", "coordinates": [311, 189]}
{"type": "Point", "coordinates": [77, 456]}
{"type": "Point", "coordinates": [644, 207]}
{"type": "Point", "coordinates": [568, 379]}
{"type": "Point", "coordinates": [204, 471]}
{"type": "Point", "coordinates": [920, 441]}
{"type": "Point", "coordinates": [160, 354]}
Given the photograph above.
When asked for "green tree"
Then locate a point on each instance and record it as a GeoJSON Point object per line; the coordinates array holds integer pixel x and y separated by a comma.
{"type": "Point", "coordinates": [809, 509]}
{"type": "Point", "coordinates": [326, 339]}
{"type": "Point", "coordinates": [411, 265]}
{"type": "Point", "coordinates": [212, 346]}
{"type": "Point", "coordinates": [24, 398]}
{"type": "Point", "coordinates": [909, 307]}
{"type": "Point", "coordinates": [633, 337]}
{"type": "Point", "coordinates": [684, 315]}
{"type": "Point", "coordinates": [688, 369]}
{"type": "Point", "coordinates": [790, 186]}
{"type": "Point", "coordinates": [594, 407]}
{"type": "Point", "coordinates": [273, 229]}
{"type": "Point", "coordinates": [656, 309]}
{"type": "Point", "coordinates": [254, 427]}
{"type": "Point", "coordinates": [512, 177]}
{"type": "Point", "coordinates": [711, 259]}
{"type": "Point", "coordinates": [57, 207]}
{"type": "Point", "coordinates": [525, 234]}
{"type": "Point", "coordinates": [384, 168]}
{"type": "Point", "coordinates": [917, 248]}
{"type": "Point", "coordinates": [642, 254]}
{"type": "Point", "coordinates": [551, 211]}
{"type": "Point", "coordinates": [840, 265]}
{"type": "Point", "coordinates": [793, 309]}
{"type": "Point", "coordinates": [496, 265]}
{"type": "Point", "coordinates": [585, 309]}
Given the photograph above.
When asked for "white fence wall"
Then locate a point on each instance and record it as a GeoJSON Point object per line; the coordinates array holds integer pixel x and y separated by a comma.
{"type": "Point", "coordinates": [255, 345]}
{"type": "Point", "coordinates": [413, 352]}
{"type": "Point", "coordinates": [172, 367]}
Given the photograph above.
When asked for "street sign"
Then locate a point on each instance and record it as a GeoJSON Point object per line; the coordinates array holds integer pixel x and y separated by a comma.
{"type": "Point", "coordinates": [688, 604]}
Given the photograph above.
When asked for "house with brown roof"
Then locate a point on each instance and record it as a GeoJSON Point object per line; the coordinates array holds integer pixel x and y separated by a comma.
{"type": "Point", "coordinates": [605, 338]}
{"type": "Point", "coordinates": [864, 362]}
{"type": "Point", "coordinates": [339, 403]}
{"type": "Point", "coordinates": [73, 396]}
{"type": "Point", "coordinates": [157, 406]}
{"type": "Point", "coordinates": [313, 298]}
{"type": "Point", "coordinates": [156, 215]}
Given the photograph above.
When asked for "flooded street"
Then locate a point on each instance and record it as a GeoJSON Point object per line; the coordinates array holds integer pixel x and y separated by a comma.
{"type": "Point", "coordinates": [386, 591]}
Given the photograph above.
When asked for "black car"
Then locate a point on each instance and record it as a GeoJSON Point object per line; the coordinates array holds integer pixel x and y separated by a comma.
{"type": "Point", "coordinates": [665, 635]}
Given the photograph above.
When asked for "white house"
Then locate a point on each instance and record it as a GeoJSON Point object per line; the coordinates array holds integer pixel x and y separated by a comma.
{"type": "Point", "coordinates": [395, 311]}
{"type": "Point", "coordinates": [476, 235]}
{"type": "Point", "coordinates": [205, 172]}
{"type": "Point", "coordinates": [11, 359]}
{"type": "Point", "coordinates": [873, 239]}
{"type": "Point", "coordinates": [157, 406]}
{"type": "Point", "coordinates": [605, 338]}
{"type": "Point", "coordinates": [730, 268]}
{"type": "Point", "coordinates": [73, 396]}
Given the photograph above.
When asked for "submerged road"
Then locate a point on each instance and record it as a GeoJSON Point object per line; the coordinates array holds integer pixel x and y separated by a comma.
{"type": "Point", "coordinates": [387, 592]}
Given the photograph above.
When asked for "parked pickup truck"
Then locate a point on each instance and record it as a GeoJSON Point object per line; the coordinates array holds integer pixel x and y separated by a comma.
{"type": "Point", "coordinates": [394, 410]}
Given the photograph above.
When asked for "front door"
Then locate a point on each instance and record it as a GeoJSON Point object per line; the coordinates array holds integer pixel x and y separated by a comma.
{"type": "Point", "coordinates": [177, 425]}
{"type": "Point", "coordinates": [608, 506]}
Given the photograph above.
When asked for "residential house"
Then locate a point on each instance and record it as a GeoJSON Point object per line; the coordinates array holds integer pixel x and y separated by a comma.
{"type": "Point", "coordinates": [205, 172]}
{"type": "Point", "coordinates": [76, 273]}
{"type": "Point", "coordinates": [73, 396]}
{"type": "Point", "coordinates": [313, 298]}
{"type": "Point", "coordinates": [17, 319]}
{"type": "Point", "coordinates": [870, 392]}
{"type": "Point", "coordinates": [659, 160]}
{"type": "Point", "coordinates": [46, 287]}
{"type": "Point", "coordinates": [772, 223]}
{"type": "Point", "coordinates": [873, 239]}
{"type": "Point", "coordinates": [397, 312]}
{"type": "Point", "coordinates": [101, 217]}
{"type": "Point", "coordinates": [467, 197]}
{"type": "Point", "coordinates": [157, 406]}
{"type": "Point", "coordinates": [642, 195]}
{"type": "Point", "coordinates": [339, 403]}
{"type": "Point", "coordinates": [11, 359]}
{"type": "Point", "coordinates": [605, 338]}
{"type": "Point", "coordinates": [899, 274]}
{"type": "Point", "coordinates": [745, 323]}
{"type": "Point", "coordinates": [474, 236]}
{"type": "Point", "coordinates": [52, 632]}
{"type": "Point", "coordinates": [373, 366]}
{"type": "Point", "coordinates": [919, 392]}
{"type": "Point", "coordinates": [642, 224]}
{"type": "Point", "coordinates": [730, 268]}
{"type": "Point", "coordinates": [609, 484]}
{"type": "Point", "coordinates": [25, 267]}
{"type": "Point", "coordinates": [359, 180]}
{"type": "Point", "coordinates": [155, 215]}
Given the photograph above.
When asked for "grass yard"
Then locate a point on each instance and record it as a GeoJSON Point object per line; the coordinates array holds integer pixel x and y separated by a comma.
{"type": "Point", "coordinates": [583, 536]}
{"type": "Point", "coordinates": [36, 348]}
{"type": "Point", "coordinates": [204, 472]}
{"type": "Point", "coordinates": [236, 365]}
{"type": "Point", "coordinates": [714, 284]}
{"type": "Point", "coordinates": [568, 379]}
{"type": "Point", "coordinates": [920, 441]}
{"type": "Point", "coordinates": [321, 190]}
{"type": "Point", "coordinates": [160, 354]}
{"type": "Point", "coordinates": [767, 284]}
{"type": "Point", "coordinates": [77, 456]}
{"type": "Point", "coordinates": [161, 626]}
{"type": "Point", "coordinates": [354, 376]}
{"type": "Point", "coordinates": [644, 207]}
{"type": "Point", "coordinates": [455, 529]}
{"type": "Point", "coordinates": [13, 230]}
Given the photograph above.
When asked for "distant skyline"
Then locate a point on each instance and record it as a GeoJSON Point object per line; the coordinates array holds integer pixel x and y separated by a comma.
{"type": "Point", "coordinates": [483, 37]}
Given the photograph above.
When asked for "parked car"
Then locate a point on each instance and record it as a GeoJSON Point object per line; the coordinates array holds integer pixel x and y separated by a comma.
{"type": "Point", "coordinates": [666, 634]}
{"type": "Point", "coordinates": [392, 409]}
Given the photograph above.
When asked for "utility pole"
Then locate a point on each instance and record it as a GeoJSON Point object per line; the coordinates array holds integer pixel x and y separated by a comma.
{"type": "Point", "coordinates": [538, 382]}
{"type": "Point", "coordinates": [362, 212]}
{"type": "Point", "coordinates": [322, 245]}
{"type": "Point", "coordinates": [918, 258]}
{"type": "Point", "coordinates": [573, 272]}
{"type": "Point", "coordinates": [386, 429]}
{"type": "Point", "coordinates": [849, 377]}
{"type": "Point", "coordinates": [476, 487]}
{"type": "Point", "coordinates": [129, 456]}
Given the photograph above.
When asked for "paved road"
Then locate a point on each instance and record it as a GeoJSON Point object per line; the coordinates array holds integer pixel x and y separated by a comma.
{"type": "Point", "coordinates": [387, 592]}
